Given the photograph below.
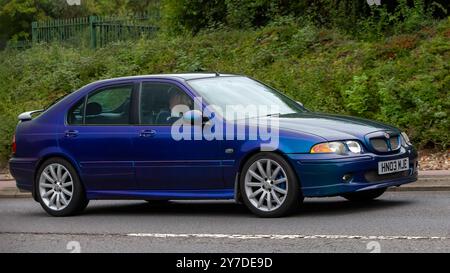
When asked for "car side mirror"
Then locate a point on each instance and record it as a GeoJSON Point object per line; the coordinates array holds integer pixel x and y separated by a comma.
{"type": "Point", "coordinates": [194, 117]}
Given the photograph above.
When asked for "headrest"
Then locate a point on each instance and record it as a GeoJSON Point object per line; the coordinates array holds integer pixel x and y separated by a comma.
{"type": "Point", "coordinates": [93, 108]}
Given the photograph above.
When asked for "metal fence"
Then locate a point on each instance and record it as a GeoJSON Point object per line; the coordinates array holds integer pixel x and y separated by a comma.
{"type": "Point", "coordinates": [95, 31]}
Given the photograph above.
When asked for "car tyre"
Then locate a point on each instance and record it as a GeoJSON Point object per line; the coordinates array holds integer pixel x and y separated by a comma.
{"type": "Point", "coordinates": [58, 188]}
{"type": "Point", "coordinates": [269, 186]}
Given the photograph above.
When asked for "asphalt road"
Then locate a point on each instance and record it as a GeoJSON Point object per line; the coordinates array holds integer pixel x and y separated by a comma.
{"type": "Point", "coordinates": [398, 222]}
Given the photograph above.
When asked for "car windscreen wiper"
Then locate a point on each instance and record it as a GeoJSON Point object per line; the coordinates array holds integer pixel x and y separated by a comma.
{"type": "Point", "coordinates": [278, 114]}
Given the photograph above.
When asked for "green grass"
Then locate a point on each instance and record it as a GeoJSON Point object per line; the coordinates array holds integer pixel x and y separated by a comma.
{"type": "Point", "coordinates": [403, 80]}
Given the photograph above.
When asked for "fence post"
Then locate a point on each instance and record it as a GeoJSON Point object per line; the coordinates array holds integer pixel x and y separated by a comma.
{"type": "Point", "coordinates": [34, 37]}
{"type": "Point", "coordinates": [93, 32]}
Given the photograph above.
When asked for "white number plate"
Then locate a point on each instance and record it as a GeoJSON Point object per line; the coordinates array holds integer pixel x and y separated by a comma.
{"type": "Point", "coordinates": [393, 166]}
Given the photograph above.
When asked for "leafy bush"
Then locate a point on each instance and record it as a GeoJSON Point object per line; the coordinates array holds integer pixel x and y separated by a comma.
{"type": "Point", "coordinates": [403, 79]}
{"type": "Point", "coordinates": [350, 16]}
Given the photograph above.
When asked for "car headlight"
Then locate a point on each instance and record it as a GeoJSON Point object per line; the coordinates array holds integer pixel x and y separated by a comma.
{"type": "Point", "coordinates": [329, 147]}
{"type": "Point", "coordinates": [337, 147]}
{"type": "Point", "coordinates": [406, 138]}
{"type": "Point", "coordinates": [354, 146]}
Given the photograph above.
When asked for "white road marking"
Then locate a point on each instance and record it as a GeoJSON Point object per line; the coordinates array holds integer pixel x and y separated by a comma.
{"type": "Point", "coordinates": [282, 236]}
{"type": "Point", "coordinates": [241, 236]}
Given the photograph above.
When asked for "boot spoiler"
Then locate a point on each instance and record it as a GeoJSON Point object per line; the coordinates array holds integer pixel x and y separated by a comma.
{"type": "Point", "coordinates": [28, 115]}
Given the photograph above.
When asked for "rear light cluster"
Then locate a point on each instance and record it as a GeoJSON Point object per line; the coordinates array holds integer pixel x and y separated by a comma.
{"type": "Point", "coordinates": [14, 145]}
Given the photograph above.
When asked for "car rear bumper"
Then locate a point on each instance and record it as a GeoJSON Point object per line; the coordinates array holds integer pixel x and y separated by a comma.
{"type": "Point", "coordinates": [323, 174]}
{"type": "Point", "coordinates": [22, 169]}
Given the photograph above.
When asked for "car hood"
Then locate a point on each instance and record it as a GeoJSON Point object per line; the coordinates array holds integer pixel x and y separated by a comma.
{"type": "Point", "coordinates": [331, 127]}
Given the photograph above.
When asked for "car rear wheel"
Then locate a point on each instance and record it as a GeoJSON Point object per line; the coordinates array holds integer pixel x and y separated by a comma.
{"type": "Point", "coordinates": [59, 189]}
{"type": "Point", "coordinates": [364, 196]}
{"type": "Point", "coordinates": [269, 187]}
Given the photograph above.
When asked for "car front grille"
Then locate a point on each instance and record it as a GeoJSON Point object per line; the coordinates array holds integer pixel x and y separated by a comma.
{"type": "Point", "coordinates": [379, 145]}
{"type": "Point", "coordinates": [395, 143]}
{"type": "Point", "coordinates": [384, 145]}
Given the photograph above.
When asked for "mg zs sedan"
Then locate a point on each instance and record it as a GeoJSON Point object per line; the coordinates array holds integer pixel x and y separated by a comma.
{"type": "Point", "coordinates": [125, 138]}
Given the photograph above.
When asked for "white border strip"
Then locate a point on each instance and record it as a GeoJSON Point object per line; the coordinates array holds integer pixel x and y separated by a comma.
{"type": "Point", "coordinates": [282, 236]}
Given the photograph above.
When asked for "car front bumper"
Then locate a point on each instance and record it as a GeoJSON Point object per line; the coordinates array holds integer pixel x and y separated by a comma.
{"type": "Point", "coordinates": [323, 174]}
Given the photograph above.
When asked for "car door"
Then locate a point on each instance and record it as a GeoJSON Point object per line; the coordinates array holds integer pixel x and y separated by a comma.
{"type": "Point", "coordinates": [161, 162]}
{"type": "Point", "coordinates": [97, 134]}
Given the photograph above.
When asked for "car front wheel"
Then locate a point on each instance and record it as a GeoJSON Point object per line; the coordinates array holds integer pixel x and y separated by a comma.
{"type": "Point", "coordinates": [59, 189]}
{"type": "Point", "coordinates": [269, 187]}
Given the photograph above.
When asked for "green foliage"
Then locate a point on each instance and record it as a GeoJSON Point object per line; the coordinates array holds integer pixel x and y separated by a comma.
{"type": "Point", "coordinates": [249, 13]}
{"type": "Point", "coordinates": [16, 16]}
{"type": "Point", "coordinates": [354, 17]}
{"type": "Point", "coordinates": [357, 96]}
{"type": "Point", "coordinates": [403, 79]}
{"type": "Point", "coordinates": [192, 15]}
{"type": "Point", "coordinates": [405, 17]}
{"type": "Point", "coordinates": [349, 16]}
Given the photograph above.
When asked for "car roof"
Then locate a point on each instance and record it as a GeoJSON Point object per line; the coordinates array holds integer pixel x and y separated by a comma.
{"type": "Point", "coordinates": [176, 76]}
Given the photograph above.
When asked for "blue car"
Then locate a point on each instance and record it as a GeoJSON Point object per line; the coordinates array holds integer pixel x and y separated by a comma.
{"type": "Point", "coordinates": [170, 137]}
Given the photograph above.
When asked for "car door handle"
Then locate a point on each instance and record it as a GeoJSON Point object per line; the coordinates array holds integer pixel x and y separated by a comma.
{"type": "Point", "coordinates": [147, 133]}
{"type": "Point", "coordinates": [71, 133]}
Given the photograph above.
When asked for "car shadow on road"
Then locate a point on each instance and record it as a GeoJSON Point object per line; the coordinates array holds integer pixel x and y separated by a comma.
{"type": "Point", "coordinates": [171, 208]}
{"type": "Point", "coordinates": [341, 206]}
{"type": "Point", "coordinates": [311, 207]}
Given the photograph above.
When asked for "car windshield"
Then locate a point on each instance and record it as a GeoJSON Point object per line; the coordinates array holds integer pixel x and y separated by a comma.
{"type": "Point", "coordinates": [244, 92]}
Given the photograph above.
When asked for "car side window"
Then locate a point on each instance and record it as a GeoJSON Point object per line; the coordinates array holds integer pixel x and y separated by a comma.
{"type": "Point", "coordinates": [76, 113]}
{"type": "Point", "coordinates": [162, 103]}
{"type": "Point", "coordinates": [109, 106]}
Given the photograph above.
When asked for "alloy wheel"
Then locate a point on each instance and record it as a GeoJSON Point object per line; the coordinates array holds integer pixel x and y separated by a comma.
{"type": "Point", "coordinates": [56, 186]}
{"type": "Point", "coordinates": [266, 184]}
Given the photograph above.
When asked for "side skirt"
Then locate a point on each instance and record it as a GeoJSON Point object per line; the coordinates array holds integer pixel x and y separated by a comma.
{"type": "Point", "coordinates": [161, 194]}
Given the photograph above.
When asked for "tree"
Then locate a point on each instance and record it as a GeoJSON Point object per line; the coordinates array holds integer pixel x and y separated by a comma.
{"type": "Point", "coordinates": [16, 17]}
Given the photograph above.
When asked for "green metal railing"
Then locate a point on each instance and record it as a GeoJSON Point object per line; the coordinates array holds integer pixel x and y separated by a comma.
{"type": "Point", "coordinates": [96, 31]}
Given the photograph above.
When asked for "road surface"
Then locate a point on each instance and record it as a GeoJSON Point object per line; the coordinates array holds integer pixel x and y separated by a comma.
{"type": "Point", "coordinates": [398, 222]}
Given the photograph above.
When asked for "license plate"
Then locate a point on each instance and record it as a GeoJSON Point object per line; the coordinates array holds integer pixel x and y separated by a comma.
{"type": "Point", "coordinates": [393, 166]}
